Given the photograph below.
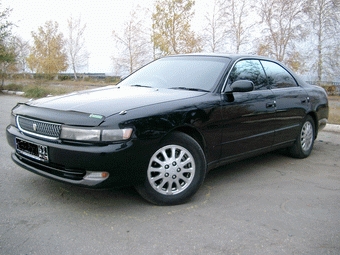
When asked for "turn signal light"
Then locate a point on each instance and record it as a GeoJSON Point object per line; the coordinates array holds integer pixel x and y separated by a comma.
{"type": "Point", "coordinates": [96, 175]}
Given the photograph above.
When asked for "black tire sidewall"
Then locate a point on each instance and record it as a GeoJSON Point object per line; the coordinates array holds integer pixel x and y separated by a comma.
{"type": "Point", "coordinates": [297, 150]}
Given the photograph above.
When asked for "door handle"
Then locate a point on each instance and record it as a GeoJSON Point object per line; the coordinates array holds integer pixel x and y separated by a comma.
{"type": "Point", "coordinates": [306, 100]}
{"type": "Point", "coordinates": [271, 105]}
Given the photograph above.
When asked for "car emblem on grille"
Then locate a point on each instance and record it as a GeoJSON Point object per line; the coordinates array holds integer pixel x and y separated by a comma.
{"type": "Point", "coordinates": [34, 126]}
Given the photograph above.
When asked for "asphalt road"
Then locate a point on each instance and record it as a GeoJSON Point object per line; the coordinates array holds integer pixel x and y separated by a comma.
{"type": "Point", "coordinates": [271, 204]}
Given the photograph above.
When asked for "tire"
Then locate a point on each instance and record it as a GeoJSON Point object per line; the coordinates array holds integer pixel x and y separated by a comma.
{"type": "Point", "coordinates": [176, 171]}
{"type": "Point", "coordinates": [303, 145]}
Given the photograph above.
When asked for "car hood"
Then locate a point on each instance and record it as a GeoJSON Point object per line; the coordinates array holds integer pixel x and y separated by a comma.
{"type": "Point", "coordinates": [111, 100]}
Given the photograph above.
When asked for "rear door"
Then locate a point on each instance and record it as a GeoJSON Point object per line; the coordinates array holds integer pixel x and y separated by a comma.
{"type": "Point", "coordinates": [291, 102]}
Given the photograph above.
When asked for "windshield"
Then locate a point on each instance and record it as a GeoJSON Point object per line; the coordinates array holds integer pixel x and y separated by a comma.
{"type": "Point", "coordinates": [180, 72]}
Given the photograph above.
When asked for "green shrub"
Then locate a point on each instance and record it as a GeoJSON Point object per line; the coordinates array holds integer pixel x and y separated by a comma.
{"type": "Point", "coordinates": [14, 87]}
{"type": "Point", "coordinates": [35, 91]}
{"type": "Point", "coordinates": [38, 91]}
{"type": "Point", "coordinates": [63, 77]}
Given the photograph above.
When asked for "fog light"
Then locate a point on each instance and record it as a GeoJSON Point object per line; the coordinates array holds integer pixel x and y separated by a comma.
{"type": "Point", "coordinates": [96, 175]}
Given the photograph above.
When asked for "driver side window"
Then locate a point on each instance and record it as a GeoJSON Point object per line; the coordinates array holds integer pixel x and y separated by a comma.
{"type": "Point", "coordinates": [249, 70]}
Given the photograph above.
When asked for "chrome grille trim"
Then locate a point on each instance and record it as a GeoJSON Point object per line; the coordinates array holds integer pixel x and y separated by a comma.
{"type": "Point", "coordinates": [42, 129]}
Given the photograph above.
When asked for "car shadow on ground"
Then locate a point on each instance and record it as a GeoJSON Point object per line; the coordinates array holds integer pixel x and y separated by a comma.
{"type": "Point", "coordinates": [43, 189]}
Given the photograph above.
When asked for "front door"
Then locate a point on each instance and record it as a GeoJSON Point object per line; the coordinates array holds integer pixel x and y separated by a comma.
{"type": "Point", "coordinates": [247, 116]}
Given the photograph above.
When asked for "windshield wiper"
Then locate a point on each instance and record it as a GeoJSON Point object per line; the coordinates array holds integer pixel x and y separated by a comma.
{"type": "Point", "coordinates": [191, 89]}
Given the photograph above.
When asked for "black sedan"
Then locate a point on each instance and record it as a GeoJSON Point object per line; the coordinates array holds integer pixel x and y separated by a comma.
{"type": "Point", "coordinates": [165, 126]}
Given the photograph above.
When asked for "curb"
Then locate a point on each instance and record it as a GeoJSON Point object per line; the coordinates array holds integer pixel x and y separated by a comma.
{"type": "Point", "coordinates": [332, 128]}
{"type": "Point", "coordinates": [18, 93]}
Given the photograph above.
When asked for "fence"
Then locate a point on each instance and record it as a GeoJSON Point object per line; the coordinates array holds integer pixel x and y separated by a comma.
{"type": "Point", "coordinates": [325, 83]}
{"type": "Point", "coordinates": [332, 88]}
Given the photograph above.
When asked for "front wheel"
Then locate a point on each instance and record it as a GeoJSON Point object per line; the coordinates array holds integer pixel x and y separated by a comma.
{"type": "Point", "coordinates": [176, 171]}
{"type": "Point", "coordinates": [303, 145]}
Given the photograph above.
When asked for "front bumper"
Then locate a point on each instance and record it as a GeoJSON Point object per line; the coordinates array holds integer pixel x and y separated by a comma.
{"type": "Point", "coordinates": [78, 163]}
{"type": "Point", "coordinates": [68, 176]}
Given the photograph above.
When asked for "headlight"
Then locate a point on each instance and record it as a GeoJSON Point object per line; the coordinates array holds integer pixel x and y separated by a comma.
{"type": "Point", "coordinates": [95, 134]}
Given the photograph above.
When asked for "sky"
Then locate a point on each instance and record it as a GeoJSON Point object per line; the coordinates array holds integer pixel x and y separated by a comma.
{"type": "Point", "coordinates": [100, 16]}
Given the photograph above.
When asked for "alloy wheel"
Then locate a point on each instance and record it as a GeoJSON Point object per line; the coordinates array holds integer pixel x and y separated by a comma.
{"type": "Point", "coordinates": [306, 136]}
{"type": "Point", "coordinates": [171, 170]}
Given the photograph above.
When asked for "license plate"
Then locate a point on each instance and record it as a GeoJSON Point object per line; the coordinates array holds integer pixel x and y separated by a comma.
{"type": "Point", "coordinates": [32, 150]}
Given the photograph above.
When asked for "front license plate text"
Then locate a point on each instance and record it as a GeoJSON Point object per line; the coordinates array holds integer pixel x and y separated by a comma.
{"type": "Point", "coordinates": [32, 150]}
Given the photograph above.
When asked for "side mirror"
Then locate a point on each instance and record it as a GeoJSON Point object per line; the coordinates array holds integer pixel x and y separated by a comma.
{"type": "Point", "coordinates": [242, 86]}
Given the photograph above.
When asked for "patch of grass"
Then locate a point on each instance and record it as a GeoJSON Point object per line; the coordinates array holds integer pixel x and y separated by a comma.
{"type": "Point", "coordinates": [35, 91]}
{"type": "Point", "coordinates": [334, 110]}
{"type": "Point", "coordinates": [38, 91]}
{"type": "Point", "coordinates": [14, 87]}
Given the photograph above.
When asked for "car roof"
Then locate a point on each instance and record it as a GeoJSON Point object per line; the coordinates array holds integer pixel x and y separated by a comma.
{"type": "Point", "coordinates": [230, 56]}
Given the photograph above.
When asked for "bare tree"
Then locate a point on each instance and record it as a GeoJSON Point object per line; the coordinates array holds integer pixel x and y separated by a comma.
{"type": "Point", "coordinates": [133, 44]}
{"type": "Point", "coordinates": [5, 24]}
{"type": "Point", "coordinates": [333, 60]}
{"type": "Point", "coordinates": [215, 31]}
{"type": "Point", "coordinates": [230, 24]}
{"type": "Point", "coordinates": [284, 26]}
{"type": "Point", "coordinates": [239, 25]}
{"type": "Point", "coordinates": [22, 51]}
{"type": "Point", "coordinates": [76, 49]}
{"type": "Point", "coordinates": [325, 23]}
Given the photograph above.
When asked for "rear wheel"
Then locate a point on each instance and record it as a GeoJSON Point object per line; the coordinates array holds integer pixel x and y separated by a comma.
{"type": "Point", "coordinates": [176, 171]}
{"type": "Point", "coordinates": [303, 145]}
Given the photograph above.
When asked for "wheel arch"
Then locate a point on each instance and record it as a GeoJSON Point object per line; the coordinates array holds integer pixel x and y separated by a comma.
{"type": "Point", "coordinates": [316, 124]}
{"type": "Point", "coordinates": [192, 132]}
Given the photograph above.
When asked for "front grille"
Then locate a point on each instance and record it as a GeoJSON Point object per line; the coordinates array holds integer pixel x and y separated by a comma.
{"type": "Point", "coordinates": [39, 128]}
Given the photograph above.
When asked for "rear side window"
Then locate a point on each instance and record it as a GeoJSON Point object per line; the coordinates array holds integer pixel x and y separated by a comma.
{"type": "Point", "coordinates": [278, 77]}
{"type": "Point", "coordinates": [249, 70]}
